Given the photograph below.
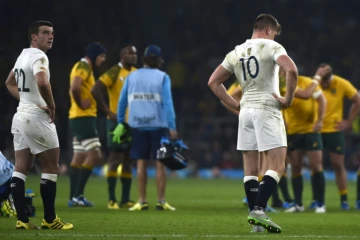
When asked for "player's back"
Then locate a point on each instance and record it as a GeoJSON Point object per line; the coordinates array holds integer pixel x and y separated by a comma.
{"type": "Point", "coordinates": [253, 63]}
{"type": "Point", "coordinates": [30, 97]}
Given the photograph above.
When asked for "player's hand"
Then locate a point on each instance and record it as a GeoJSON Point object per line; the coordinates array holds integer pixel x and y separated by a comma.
{"type": "Point", "coordinates": [50, 112]}
{"type": "Point", "coordinates": [323, 71]}
{"type": "Point", "coordinates": [318, 126]}
{"type": "Point", "coordinates": [282, 101]}
{"type": "Point", "coordinates": [118, 132]}
{"type": "Point", "coordinates": [173, 134]}
{"type": "Point", "coordinates": [343, 125]}
{"type": "Point", "coordinates": [112, 116]}
{"type": "Point", "coordinates": [85, 104]}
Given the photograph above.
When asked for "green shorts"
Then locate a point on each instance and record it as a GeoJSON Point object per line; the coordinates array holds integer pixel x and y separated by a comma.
{"type": "Point", "coordinates": [334, 142]}
{"type": "Point", "coordinates": [114, 147]}
{"type": "Point", "coordinates": [306, 141]}
{"type": "Point", "coordinates": [83, 128]}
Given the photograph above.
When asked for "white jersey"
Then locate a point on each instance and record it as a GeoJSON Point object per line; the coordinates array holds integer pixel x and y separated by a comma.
{"type": "Point", "coordinates": [25, 71]}
{"type": "Point", "coordinates": [6, 169]}
{"type": "Point", "coordinates": [253, 64]}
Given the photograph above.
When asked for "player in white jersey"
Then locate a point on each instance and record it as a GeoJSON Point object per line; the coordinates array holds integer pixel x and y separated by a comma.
{"type": "Point", "coordinates": [255, 64]}
{"type": "Point", "coordinates": [33, 128]}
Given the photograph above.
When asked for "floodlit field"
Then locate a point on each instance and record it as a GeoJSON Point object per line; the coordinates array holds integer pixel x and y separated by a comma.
{"type": "Point", "coordinates": [206, 209]}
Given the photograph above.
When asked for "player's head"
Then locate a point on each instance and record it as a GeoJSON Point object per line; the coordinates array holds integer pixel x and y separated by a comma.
{"type": "Point", "coordinates": [328, 72]}
{"type": "Point", "coordinates": [96, 53]}
{"type": "Point", "coordinates": [267, 25]}
{"type": "Point", "coordinates": [152, 57]}
{"type": "Point", "coordinates": [41, 35]}
{"type": "Point", "coordinates": [128, 55]}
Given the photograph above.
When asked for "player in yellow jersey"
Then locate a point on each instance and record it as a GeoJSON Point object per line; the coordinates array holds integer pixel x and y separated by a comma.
{"type": "Point", "coordinates": [304, 120]}
{"type": "Point", "coordinates": [82, 115]}
{"type": "Point", "coordinates": [112, 81]}
{"type": "Point", "coordinates": [336, 89]}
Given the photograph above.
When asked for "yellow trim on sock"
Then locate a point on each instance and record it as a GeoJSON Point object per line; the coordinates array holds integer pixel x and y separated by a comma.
{"type": "Point", "coordinates": [313, 173]}
{"type": "Point", "coordinates": [343, 192]}
{"type": "Point", "coordinates": [111, 174]}
{"type": "Point", "coordinates": [296, 175]}
{"type": "Point", "coordinates": [260, 177]}
{"type": "Point", "coordinates": [126, 175]}
{"type": "Point", "coordinates": [87, 167]}
{"type": "Point", "coordinates": [75, 166]}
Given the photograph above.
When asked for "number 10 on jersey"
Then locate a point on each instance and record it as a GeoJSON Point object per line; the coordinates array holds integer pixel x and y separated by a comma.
{"type": "Point", "coordinates": [247, 70]}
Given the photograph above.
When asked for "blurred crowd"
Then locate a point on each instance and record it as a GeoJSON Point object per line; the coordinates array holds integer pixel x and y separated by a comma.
{"type": "Point", "coordinates": [195, 36]}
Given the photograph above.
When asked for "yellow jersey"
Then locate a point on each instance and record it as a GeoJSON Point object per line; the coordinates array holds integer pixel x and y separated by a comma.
{"type": "Point", "coordinates": [338, 89]}
{"type": "Point", "coordinates": [233, 87]}
{"type": "Point", "coordinates": [83, 70]}
{"type": "Point", "coordinates": [302, 115]}
{"type": "Point", "coordinates": [114, 80]}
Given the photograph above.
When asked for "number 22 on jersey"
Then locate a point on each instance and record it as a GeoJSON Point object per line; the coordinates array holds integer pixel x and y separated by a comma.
{"type": "Point", "coordinates": [21, 79]}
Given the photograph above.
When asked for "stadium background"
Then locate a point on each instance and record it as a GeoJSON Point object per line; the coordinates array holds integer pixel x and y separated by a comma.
{"type": "Point", "coordinates": [194, 36]}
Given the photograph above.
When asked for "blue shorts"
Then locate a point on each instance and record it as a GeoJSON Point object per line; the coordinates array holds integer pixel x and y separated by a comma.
{"type": "Point", "coordinates": [145, 143]}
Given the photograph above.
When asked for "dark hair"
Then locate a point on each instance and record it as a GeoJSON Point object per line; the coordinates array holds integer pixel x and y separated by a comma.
{"type": "Point", "coordinates": [153, 62]}
{"type": "Point", "coordinates": [34, 27]}
{"type": "Point", "coordinates": [328, 75]}
{"type": "Point", "coordinates": [266, 20]}
{"type": "Point", "coordinates": [124, 48]}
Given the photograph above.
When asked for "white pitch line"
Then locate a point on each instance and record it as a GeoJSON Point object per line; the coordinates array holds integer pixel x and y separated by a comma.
{"type": "Point", "coordinates": [177, 235]}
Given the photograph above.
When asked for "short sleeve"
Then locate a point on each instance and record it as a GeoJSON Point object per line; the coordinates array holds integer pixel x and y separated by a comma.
{"type": "Point", "coordinates": [227, 63]}
{"type": "Point", "coordinates": [109, 78]}
{"type": "Point", "coordinates": [82, 70]}
{"type": "Point", "coordinates": [349, 90]}
{"type": "Point", "coordinates": [38, 56]}
{"type": "Point", "coordinates": [278, 51]}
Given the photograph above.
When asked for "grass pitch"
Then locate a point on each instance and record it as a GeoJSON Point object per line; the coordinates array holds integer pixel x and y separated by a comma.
{"type": "Point", "coordinates": [206, 209]}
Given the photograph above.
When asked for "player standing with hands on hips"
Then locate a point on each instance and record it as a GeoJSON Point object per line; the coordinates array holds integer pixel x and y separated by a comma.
{"type": "Point", "coordinates": [33, 126]}
{"type": "Point", "coordinates": [255, 64]}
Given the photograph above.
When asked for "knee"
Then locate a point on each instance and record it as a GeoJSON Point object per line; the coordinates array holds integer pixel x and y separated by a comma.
{"type": "Point", "coordinates": [338, 166]}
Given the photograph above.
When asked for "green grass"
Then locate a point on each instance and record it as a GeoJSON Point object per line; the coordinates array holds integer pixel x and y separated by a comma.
{"type": "Point", "coordinates": [206, 209]}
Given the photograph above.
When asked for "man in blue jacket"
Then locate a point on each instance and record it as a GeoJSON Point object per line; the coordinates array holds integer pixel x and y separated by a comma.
{"type": "Point", "coordinates": [151, 116]}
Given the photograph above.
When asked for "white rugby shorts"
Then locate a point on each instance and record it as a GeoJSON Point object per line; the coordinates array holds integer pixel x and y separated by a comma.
{"type": "Point", "coordinates": [34, 131]}
{"type": "Point", "coordinates": [261, 129]}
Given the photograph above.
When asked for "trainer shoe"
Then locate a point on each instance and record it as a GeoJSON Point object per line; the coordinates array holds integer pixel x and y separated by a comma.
{"type": "Point", "coordinates": [270, 209]}
{"type": "Point", "coordinates": [56, 224]}
{"type": "Point", "coordinates": [29, 193]}
{"type": "Point", "coordinates": [128, 204]}
{"type": "Point", "coordinates": [256, 229]}
{"type": "Point", "coordinates": [164, 206]}
{"type": "Point", "coordinates": [320, 209]}
{"type": "Point", "coordinates": [295, 208]}
{"type": "Point", "coordinates": [72, 203]}
{"type": "Point", "coordinates": [26, 226]}
{"type": "Point", "coordinates": [313, 204]}
{"type": "Point", "coordinates": [245, 201]}
{"type": "Point", "coordinates": [140, 207]}
{"type": "Point", "coordinates": [357, 205]}
{"type": "Point", "coordinates": [82, 202]}
{"type": "Point", "coordinates": [112, 205]}
{"type": "Point", "coordinates": [344, 205]}
{"type": "Point", "coordinates": [6, 210]}
{"type": "Point", "coordinates": [287, 205]}
{"type": "Point", "coordinates": [259, 218]}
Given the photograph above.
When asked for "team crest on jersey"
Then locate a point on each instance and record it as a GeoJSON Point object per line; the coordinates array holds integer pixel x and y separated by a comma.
{"type": "Point", "coordinates": [333, 90]}
{"type": "Point", "coordinates": [42, 60]}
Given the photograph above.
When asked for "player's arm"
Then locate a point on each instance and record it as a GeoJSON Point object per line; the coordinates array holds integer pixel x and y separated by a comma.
{"type": "Point", "coordinates": [98, 93]}
{"type": "Point", "coordinates": [236, 94]}
{"type": "Point", "coordinates": [288, 65]}
{"type": "Point", "coordinates": [307, 92]}
{"type": "Point", "coordinates": [320, 98]}
{"type": "Point", "coordinates": [217, 78]}
{"type": "Point", "coordinates": [354, 109]}
{"type": "Point", "coordinates": [123, 102]}
{"type": "Point", "coordinates": [12, 85]}
{"type": "Point", "coordinates": [75, 89]}
{"type": "Point", "coordinates": [169, 106]}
